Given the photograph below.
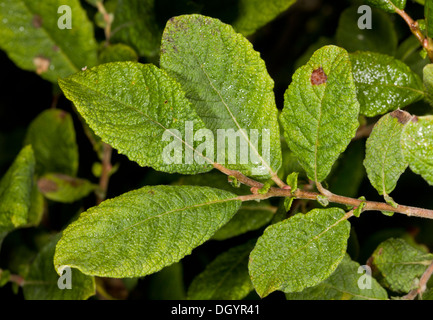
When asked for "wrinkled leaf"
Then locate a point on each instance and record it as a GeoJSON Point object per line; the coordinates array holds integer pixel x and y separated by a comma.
{"type": "Point", "coordinates": [417, 146]}
{"type": "Point", "coordinates": [141, 112]}
{"type": "Point", "coordinates": [384, 83]}
{"type": "Point", "coordinates": [30, 35]}
{"type": "Point", "coordinates": [400, 264]}
{"type": "Point", "coordinates": [142, 231]}
{"type": "Point", "coordinates": [225, 278]}
{"type": "Point", "coordinates": [299, 252]}
{"type": "Point", "coordinates": [52, 136]}
{"type": "Point", "coordinates": [384, 159]}
{"type": "Point", "coordinates": [343, 284]}
{"type": "Point", "coordinates": [320, 114]}
{"type": "Point", "coordinates": [229, 87]}
{"type": "Point", "coordinates": [41, 283]}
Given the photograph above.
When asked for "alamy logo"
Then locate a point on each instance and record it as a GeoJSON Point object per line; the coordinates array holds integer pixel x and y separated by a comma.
{"type": "Point", "coordinates": [232, 147]}
{"type": "Point", "coordinates": [65, 20]}
{"type": "Point", "coordinates": [65, 280]}
{"type": "Point", "coordinates": [364, 21]}
{"type": "Point", "coordinates": [364, 281]}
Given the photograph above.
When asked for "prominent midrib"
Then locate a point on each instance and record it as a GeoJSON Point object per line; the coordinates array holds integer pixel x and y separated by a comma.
{"type": "Point", "coordinates": [316, 237]}
{"type": "Point", "coordinates": [146, 116]}
{"type": "Point", "coordinates": [268, 167]}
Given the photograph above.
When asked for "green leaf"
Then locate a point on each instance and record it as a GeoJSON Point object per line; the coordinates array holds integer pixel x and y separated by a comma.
{"type": "Point", "coordinates": [41, 283]}
{"type": "Point", "coordinates": [225, 278]}
{"type": "Point", "coordinates": [400, 264]}
{"type": "Point", "coordinates": [64, 188]}
{"type": "Point", "coordinates": [417, 146]}
{"type": "Point", "coordinates": [409, 52]}
{"type": "Point", "coordinates": [384, 83]}
{"type": "Point", "coordinates": [30, 35]}
{"type": "Point", "coordinates": [382, 37]}
{"type": "Point", "coordinates": [16, 192]}
{"type": "Point", "coordinates": [52, 136]}
{"type": "Point", "coordinates": [254, 14]}
{"type": "Point", "coordinates": [229, 87]}
{"type": "Point", "coordinates": [117, 52]}
{"type": "Point", "coordinates": [384, 159]}
{"type": "Point", "coordinates": [135, 25]}
{"type": "Point", "coordinates": [136, 108]}
{"type": "Point", "coordinates": [142, 231]}
{"type": "Point", "coordinates": [299, 252]}
{"type": "Point", "coordinates": [4, 277]}
{"type": "Point", "coordinates": [388, 5]}
{"type": "Point", "coordinates": [428, 83]}
{"type": "Point", "coordinates": [166, 284]}
{"type": "Point", "coordinates": [428, 13]}
{"type": "Point", "coordinates": [320, 114]}
{"type": "Point", "coordinates": [343, 284]}
{"type": "Point", "coordinates": [251, 216]}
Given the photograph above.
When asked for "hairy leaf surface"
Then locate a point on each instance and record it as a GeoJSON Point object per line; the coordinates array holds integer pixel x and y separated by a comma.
{"type": "Point", "coordinates": [417, 146]}
{"type": "Point", "coordinates": [384, 83]}
{"type": "Point", "coordinates": [299, 252]}
{"type": "Point", "coordinates": [384, 159]}
{"type": "Point", "coordinates": [229, 87]}
{"type": "Point", "coordinates": [142, 231]}
{"type": "Point", "coordinates": [320, 114]}
{"type": "Point", "coordinates": [139, 110]}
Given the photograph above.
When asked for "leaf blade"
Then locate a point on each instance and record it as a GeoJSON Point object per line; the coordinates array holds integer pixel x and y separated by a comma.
{"type": "Point", "coordinates": [281, 260]}
{"type": "Point", "coordinates": [320, 119]}
{"type": "Point", "coordinates": [228, 85]}
{"type": "Point", "coordinates": [183, 217]}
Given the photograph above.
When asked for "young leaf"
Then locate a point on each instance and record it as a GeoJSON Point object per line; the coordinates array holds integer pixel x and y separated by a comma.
{"type": "Point", "coordinates": [225, 278]}
{"type": "Point", "coordinates": [52, 137]}
{"type": "Point", "coordinates": [382, 37]}
{"type": "Point", "coordinates": [16, 192]}
{"type": "Point", "coordinates": [230, 88]}
{"type": "Point", "coordinates": [255, 14]}
{"type": "Point", "coordinates": [37, 37]}
{"type": "Point", "coordinates": [64, 188]}
{"type": "Point", "coordinates": [388, 5]}
{"type": "Point", "coordinates": [384, 83]}
{"type": "Point", "coordinates": [428, 83]}
{"type": "Point", "coordinates": [41, 283]}
{"type": "Point", "coordinates": [400, 264]}
{"type": "Point", "coordinates": [142, 231]}
{"type": "Point", "coordinates": [384, 159]}
{"type": "Point", "coordinates": [343, 284]}
{"type": "Point", "coordinates": [117, 52]}
{"type": "Point", "coordinates": [320, 114]}
{"type": "Point", "coordinates": [134, 24]}
{"type": "Point", "coordinates": [136, 108]}
{"type": "Point", "coordinates": [417, 143]}
{"type": "Point", "coordinates": [299, 252]}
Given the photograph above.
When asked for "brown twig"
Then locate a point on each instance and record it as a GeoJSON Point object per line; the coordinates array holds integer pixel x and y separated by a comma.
{"type": "Point", "coordinates": [107, 19]}
{"type": "Point", "coordinates": [105, 174]}
{"type": "Point", "coordinates": [425, 42]}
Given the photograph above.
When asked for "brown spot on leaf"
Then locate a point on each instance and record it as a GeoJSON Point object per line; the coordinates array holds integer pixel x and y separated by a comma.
{"type": "Point", "coordinates": [46, 185]}
{"type": "Point", "coordinates": [37, 21]}
{"type": "Point", "coordinates": [318, 77]}
{"type": "Point", "coordinates": [42, 64]}
{"type": "Point", "coordinates": [56, 48]}
{"type": "Point", "coordinates": [402, 116]}
{"type": "Point", "coordinates": [151, 192]}
{"type": "Point", "coordinates": [165, 102]}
